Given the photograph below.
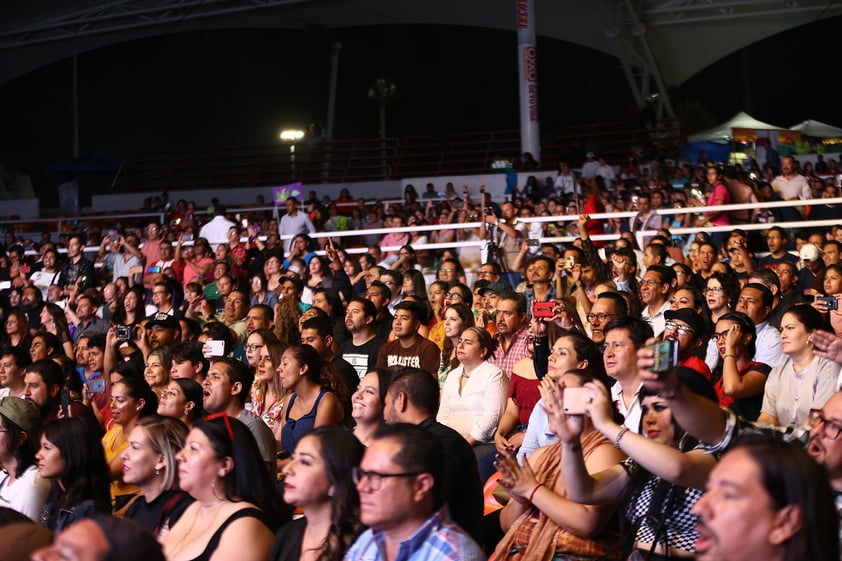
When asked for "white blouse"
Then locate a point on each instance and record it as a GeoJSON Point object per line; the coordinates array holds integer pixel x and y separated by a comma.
{"type": "Point", "coordinates": [476, 411]}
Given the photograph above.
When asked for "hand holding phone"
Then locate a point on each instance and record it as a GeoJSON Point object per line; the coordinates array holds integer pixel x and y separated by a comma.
{"type": "Point", "coordinates": [576, 400]}
{"type": "Point", "coordinates": [665, 355]}
{"type": "Point", "coordinates": [543, 310]}
{"type": "Point", "coordinates": [213, 348]}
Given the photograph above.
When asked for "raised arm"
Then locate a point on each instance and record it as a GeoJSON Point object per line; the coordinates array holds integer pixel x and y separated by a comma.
{"type": "Point", "coordinates": [700, 417]}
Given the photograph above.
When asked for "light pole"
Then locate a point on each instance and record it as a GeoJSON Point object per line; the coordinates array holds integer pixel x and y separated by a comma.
{"type": "Point", "coordinates": [382, 92]}
{"type": "Point", "coordinates": [291, 136]}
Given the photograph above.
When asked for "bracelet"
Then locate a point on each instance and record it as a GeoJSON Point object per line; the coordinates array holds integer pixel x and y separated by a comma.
{"type": "Point", "coordinates": [620, 434]}
{"type": "Point", "coordinates": [729, 356]}
{"type": "Point", "coordinates": [532, 494]}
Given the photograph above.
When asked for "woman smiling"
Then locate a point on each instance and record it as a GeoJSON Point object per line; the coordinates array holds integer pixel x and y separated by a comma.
{"type": "Point", "coordinates": [131, 399]}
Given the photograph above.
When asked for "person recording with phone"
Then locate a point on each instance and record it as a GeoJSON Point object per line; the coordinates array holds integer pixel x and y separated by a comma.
{"type": "Point", "coordinates": [118, 255]}
{"type": "Point", "coordinates": [660, 481]}
{"type": "Point", "coordinates": [539, 276]}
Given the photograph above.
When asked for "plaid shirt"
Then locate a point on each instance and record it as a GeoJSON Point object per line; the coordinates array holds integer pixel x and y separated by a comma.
{"type": "Point", "coordinates": [506, 359]}
{"type": "Point", "coordinates": [438, 539]}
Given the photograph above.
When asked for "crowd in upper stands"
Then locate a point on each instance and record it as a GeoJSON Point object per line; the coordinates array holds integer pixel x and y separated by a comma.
{"type": "Point", "coordinates": [238, 388]}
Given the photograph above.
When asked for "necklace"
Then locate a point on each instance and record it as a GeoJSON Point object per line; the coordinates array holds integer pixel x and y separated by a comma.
{"type": "Point", "coordinates": [212, 526]}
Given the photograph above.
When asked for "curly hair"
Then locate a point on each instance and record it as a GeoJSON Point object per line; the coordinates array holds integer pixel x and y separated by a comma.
{"type": "Point", "coordinates": [287, 313]}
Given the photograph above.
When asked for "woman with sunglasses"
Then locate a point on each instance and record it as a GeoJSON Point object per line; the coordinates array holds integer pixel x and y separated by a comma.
{"type": "Point", "coordinates": [235, 500]}
{"type": "Point", "coordinates": [738, 380]}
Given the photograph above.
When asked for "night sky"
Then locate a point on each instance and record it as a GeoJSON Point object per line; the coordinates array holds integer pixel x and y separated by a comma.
{"type": "Point", "coordinates": [240, 87]}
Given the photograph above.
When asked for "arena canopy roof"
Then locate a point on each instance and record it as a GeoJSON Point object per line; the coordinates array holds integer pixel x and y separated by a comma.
{"type": "Point", "coordinates": [660, 43]}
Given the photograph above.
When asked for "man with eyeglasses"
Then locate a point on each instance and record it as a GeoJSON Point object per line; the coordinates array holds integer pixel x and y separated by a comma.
{"type": "Point", "coordinates": [399, 481]}
{"type": "Point", "coordinates": [608, 305]}
{"type": "Point", "coordinates": [162, 299]}
{"type": "Point", "coordinates": [151, 248]}
{"type": "Point", "coordinates": [655, 288]}
{"type": "Point", "coordinates": [413, 397]}
{"type": "Point", "coordinates": [394, 280]}
{"type": "Point", "coordinates": [490, 272]}
{"type": "Point", "coordinates": [686, 327]}
{"type": "Point", "coordinates": [448, 271]}
{"type": "Point", "coordinates": [624, 336]}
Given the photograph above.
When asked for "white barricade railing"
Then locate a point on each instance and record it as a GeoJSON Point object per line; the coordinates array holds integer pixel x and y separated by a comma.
{"type": "Point", "coordinates": [475, 225]}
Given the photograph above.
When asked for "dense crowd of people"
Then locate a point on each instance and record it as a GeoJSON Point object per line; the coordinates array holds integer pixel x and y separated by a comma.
{"type": "Point", "coordinates": [236, 390]}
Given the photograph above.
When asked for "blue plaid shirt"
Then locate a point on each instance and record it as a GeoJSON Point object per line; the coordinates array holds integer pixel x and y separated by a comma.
{"type": "Point", "coordinates": [438, 539]}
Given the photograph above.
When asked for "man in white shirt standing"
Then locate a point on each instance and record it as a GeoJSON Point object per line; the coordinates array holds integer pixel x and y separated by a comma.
{"type": "Point", "coordinates": [216, 231]}
{"type": "Point", "coordinates": [294, 222]}
{"type": "Point", "coordinates": [566, 183]}
{"type": "Point", "coordinates": [590, 166]}
{"type": "Point", "coordinates": [790, 185]}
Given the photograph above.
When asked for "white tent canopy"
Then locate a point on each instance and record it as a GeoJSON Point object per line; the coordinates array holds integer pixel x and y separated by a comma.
{"type": "Point", "coordinates": [722, 133]}
{"type": "Point", "coordinates": [817, 129]}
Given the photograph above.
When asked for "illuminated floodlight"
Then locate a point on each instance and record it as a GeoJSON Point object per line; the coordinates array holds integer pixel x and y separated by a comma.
{"type": "Point", "coordinates": [292, 135]}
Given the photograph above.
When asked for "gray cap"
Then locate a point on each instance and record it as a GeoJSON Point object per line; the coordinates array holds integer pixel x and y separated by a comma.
{"type": "Point", "coordinates": [21, 412]}
{"type": "Point", "coordinates": [495, 287]}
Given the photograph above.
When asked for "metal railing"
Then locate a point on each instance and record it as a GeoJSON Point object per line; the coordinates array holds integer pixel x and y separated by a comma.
{"type": "Point", "coordinates": [377, 159]}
